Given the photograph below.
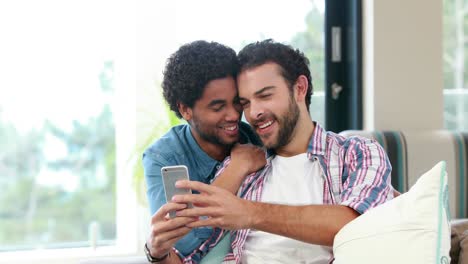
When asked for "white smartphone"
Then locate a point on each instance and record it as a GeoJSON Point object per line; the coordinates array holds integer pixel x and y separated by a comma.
{"type": "Point", "coordinates": [170, 175]}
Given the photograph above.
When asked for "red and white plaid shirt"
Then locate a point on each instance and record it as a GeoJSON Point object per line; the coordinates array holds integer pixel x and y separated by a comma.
{"type": "Point", "coordinates": [356, 173]}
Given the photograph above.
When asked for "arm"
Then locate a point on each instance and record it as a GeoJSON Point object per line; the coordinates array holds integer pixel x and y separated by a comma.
{"type": "Point", "coordinates": [165, 232]}
{"type": "Point", "coordinates": [161, 239]}
{"type": "Point", "coordinates": [172, 259]}
{"type": "Point", "coordinates": [367, 184]}
{"type": "Point", "coordinates": [194, 243]}
{"type": "Point", "coordinates": [315, 224]}
{"type": "Point", "coordinates": [366, 175]}
{"type": "Point", "coordinates": [245, 159]}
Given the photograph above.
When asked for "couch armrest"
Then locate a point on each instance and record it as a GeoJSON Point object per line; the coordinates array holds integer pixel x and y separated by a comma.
{"type": "Point", "coordinates": [459, 240]}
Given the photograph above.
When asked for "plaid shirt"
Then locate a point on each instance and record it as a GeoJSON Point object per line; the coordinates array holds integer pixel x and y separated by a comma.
{"type": "Point", "coordinates": [356, 174]}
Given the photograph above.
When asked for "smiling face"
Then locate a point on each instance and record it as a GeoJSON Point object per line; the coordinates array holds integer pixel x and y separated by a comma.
{"type": "Point", "coordinates": [269, 105]}
{"type": "Point", "coordinates": [214, 118]}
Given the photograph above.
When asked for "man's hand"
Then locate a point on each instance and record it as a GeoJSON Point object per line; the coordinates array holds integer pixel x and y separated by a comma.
{"type": "Point", "coordinates": [248, 156]}
{"type": "Point", "coordinates": [245, 159]}
{"type": "Point", "coordinates": [165, 231]}
{"type": "Point", "coordinates": [223, 209]}
{"type": "Point", "coordinates": [315, 224]}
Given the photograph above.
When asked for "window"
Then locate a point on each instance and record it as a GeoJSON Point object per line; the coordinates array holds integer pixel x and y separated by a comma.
{"type": "Point", "coordinates": [57, 125]}
{"type": "Point", "coordinates": [70, 75]}
{"type": "Point", "coordinates": [455, 18]}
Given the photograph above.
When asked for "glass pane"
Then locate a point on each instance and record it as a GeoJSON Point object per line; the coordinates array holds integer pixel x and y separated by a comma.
{"type": "Point", "coordinates": [57, 135]}
{"type": "Point", "coordinates": [455, 75]}
{"type": "Point", "coordinates": [312, 42]}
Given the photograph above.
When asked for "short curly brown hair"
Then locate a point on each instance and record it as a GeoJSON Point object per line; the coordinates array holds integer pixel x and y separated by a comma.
{"type": "Point", "coordinates": [192, 67]}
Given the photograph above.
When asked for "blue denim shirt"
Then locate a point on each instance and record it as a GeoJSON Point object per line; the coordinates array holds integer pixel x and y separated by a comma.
{"type": "Point", "coordinates": [178, 147]}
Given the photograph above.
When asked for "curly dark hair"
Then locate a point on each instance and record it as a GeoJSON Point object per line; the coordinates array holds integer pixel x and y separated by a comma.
{"type": "Point", "coordinates": [192, 67]}
{"type": "Point", "coordinates": [292, 61]}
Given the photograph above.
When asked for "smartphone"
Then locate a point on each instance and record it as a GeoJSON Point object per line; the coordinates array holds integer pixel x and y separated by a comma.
{"type": "Point", "coordinates": [171, 174]}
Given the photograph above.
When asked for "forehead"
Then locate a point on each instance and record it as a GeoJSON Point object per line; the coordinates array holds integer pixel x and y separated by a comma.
{"type": "Point", "coordinates": [253, 79]}
{"type": "Point", "coordinates": [219, 89]}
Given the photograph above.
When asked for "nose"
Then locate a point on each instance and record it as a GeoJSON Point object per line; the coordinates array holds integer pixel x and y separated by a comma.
{"type": "Point", "coordinates": [255, 111]}
{"type": "Point", "coordinates": [232, 114]}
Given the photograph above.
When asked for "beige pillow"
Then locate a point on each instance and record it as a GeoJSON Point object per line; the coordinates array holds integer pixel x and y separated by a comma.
{"type": "Point", "coordinates": [412, 228]}
{"type": "Point", "coordinates": [459, 226]}
{"type": "Point", "coordinates": [463, 257]}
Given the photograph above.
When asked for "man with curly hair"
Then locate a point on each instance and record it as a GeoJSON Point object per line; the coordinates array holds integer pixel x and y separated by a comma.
{"type": "Point", "coordinates": [200, 86]}
{"type": "Point", "coordinates": [314, 181]}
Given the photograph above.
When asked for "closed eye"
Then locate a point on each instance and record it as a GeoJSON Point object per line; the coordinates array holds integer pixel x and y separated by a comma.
{"type": "Point", "coordinates": [265, 95]}
{"type": "Point", "coordinates": [217, 105]}
{"type": "Point", "coordinates": [217, 108]}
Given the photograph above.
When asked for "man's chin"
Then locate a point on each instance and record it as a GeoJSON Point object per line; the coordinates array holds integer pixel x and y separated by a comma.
{"type": "Point", "coordinates": [268, 144]}
{"type": "Point", "coordinates": [269, 141]}
{"type": "Point", "coordinates": [230, 142]}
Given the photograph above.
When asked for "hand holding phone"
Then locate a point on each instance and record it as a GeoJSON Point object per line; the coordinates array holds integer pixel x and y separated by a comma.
{"type": "Point", "coordinates": [170, 175]}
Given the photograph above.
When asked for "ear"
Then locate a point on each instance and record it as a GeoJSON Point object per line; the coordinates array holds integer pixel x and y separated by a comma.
{"type": "Point", "coordinates": [185, 111]}
{"type": "Point", "coordinates": [301, 88]}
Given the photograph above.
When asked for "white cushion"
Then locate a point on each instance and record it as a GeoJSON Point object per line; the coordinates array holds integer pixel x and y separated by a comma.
{"type": "Point", "coordinates": [412, 228]}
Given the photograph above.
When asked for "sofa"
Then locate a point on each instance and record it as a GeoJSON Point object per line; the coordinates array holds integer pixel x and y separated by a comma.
{"type": "Point", "coordinates": [411, 153]}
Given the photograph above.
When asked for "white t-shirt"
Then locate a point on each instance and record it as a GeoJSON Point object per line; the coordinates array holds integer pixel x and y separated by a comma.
{"type": "Point", "coordinates": [294, 181]}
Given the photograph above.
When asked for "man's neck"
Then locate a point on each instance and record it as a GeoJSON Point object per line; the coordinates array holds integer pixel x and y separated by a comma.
{"type": "Point", "coordinates": [215, 151]}
{"type": "Point", "coordinates": [299, 139]}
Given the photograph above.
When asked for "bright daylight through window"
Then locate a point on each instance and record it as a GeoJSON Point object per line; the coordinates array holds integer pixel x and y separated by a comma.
{"type": "Point", "coordinates": [58, 117]}
{"type": "Point", "coordinates": [57, 135]}
{"type": "Point", "coordinates": [455, 64]}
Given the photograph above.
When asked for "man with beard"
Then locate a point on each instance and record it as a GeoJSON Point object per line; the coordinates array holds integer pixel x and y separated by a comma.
{"type": "Point", "coordinates": [314, 181]}
{"type": "Point", "coordinates": [200, 86]}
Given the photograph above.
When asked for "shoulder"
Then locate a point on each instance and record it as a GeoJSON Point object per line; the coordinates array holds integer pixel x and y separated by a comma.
{"type": "Point", "coordinates": [169, 144]}
{"type": "Point", "coordinates": [355, 149]}
{"type": "Point", "coordinates": [349, 143]}
{"type": "Point", "coordinates": [358, 151]}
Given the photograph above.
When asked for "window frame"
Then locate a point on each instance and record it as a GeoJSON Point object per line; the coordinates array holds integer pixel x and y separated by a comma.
{"type": "Point", "coordinates": [343, 65]}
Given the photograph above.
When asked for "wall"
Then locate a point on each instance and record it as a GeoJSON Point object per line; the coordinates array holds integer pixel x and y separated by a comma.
{"type": "Point", "coordinates": [402, 47]}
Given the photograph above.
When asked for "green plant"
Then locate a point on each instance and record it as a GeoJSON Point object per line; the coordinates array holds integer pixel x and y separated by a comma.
{"type": "Point", "coordinates": [156, 132]}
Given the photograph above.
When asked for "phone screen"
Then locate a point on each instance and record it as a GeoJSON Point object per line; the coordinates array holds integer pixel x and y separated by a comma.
{"type": "Point", "coordinates": [170, 176]}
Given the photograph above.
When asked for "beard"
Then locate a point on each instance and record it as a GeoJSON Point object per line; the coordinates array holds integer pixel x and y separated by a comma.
{"type": "Point", "coordinates": [287, 125]}
{"type": "Point", "coordinates": [208, 133]}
